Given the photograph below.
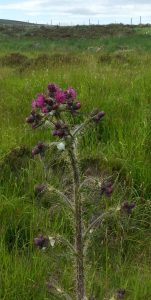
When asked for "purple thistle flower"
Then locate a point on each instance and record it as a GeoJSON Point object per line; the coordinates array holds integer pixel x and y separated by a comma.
{"type": "Point", "coordinates": [127, 207]}
{"type": "Point", "coordinates": [58, 125]}
{"type": "Point", "coordinates": [70, 93]}
{"type": "Point", "coordinates": [35, 151]}
{"type": "Point", "coordinates": [77, 105]}
{"type": "Point", "coordinates": [41, 241]}
{"type": "Point", "coordinates": [61, 130]}
{"type": "Point", "coordinates": [45, 109]}
{"type": "Point", "coordinates": [52, 88]}
{"type": "Point", "coordinates": [97, 117]}
{"type": "Point", "coordinates": [34, 104]}
{"type": "Point", "coordinates": [33, 119]}
{"type": "Point", "coordinates": [40, 100]}
{"type": "Point", "coordinates": [107, 189]}
{"type": "Point", "coordinates": [38, 149]}
{"type": "Point", "coordinates": [60, 96]}
{"type": "Point", "coordinates": [60, 133]}
{"type": "Point", "coordinates": [30, 119]}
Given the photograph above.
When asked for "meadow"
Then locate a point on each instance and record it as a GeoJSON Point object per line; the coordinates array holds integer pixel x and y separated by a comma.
{"type": "Point", "coordinates": [110, 68]}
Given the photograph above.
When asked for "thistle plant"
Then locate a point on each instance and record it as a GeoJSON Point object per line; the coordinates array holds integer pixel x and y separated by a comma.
{"type": "Point", "coordinates": [56, 109]}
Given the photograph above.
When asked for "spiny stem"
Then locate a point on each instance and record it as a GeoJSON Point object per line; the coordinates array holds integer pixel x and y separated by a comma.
{"type": "Point", "coordinates": [96, 221]}
{"type": "Point", "coordinates": [80, 291]}
{"type": "Point", "coordinates": [66, 242]}
{"type": "Point", "coordinates": [62, 196]}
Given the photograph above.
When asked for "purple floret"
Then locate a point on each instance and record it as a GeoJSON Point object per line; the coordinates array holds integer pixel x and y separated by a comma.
{"type": "Point", "coordinates": [60, 97]}
{"type": "Point", "coordinates": [52, 88]}
{"type": "Point", "coordinates": [70, 93]}
{"type": "Point", "coordinates": [38, 149]}
{"type": "Point", "coordinates": [99, 116]}
{"type": "Point", "coordinates": [107, 189]}
{"type": "Point", "coordinates": [127, 207]}
{"type": "Point", "coordinates": [41, 241]}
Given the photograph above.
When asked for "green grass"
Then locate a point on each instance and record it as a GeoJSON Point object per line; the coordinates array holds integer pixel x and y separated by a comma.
{"type": "Point", "coordinates": [117, 81]}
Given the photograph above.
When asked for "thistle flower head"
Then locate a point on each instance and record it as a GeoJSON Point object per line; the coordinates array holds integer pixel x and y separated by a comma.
{"type": "Point", "coordinates": [127, 207]}
{"type": "Point", "coordinates": [52, 88]}
{"type": "Point", "coordinates": [34, 104]}
{"type": "Point", "coordinates": [60, 96]}
{"type": "Point", "coordinates": [40, 100]}
{"type": "Point", "coordinates": [45, 109]}
{"type": "Point", "coordinates": [77, 105]}
{"type": "Point", "coordinates": [41, 241]}
{"type": "Point", "coordinates": [61, 130]}
{"type": "Point", "coordinates": [107, 189]}
{"type": "Point", "coordinates": [38, 149]}
{"type": "Point", "coordinates": [97, 117]}
{"type": "Point", "coordinates": [30, 119]}
{"type": "Point", "coordinates": [70, 93]}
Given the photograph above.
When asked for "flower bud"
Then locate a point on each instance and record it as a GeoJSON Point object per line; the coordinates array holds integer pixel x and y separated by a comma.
{"type": "Point", "coordinates": [99, 116]}
{"type": "Point", "coordinates": [30, 119]}
{"type": "Point", "coordinates": [77, 105]}
{"type": "Point", "coordinates": [45, 109]}
{"type": "Point", "coordinates": [41, 241]}
{"type": "Point", "coordinates": [58, 125]}
{"type": "Point", "coordinates": [70, 93]}
{"type": "Point", "coordinates": [60, 133]}
{"type": "Point", "coordinates": [52, 88]}
{"type": "Point", "coordinates": [127, 207]}
{"type": "Point", "coordinates": [38, 149]}
{"type": "Point", "coordinates": [107, 189]}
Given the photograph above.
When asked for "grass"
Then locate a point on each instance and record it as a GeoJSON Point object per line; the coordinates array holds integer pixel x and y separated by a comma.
{"type": "Point", "coordinates": [116, 79]}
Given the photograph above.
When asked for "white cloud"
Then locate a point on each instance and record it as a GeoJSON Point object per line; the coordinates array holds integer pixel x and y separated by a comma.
{"type": "Point", "coordinates": [86, 8]}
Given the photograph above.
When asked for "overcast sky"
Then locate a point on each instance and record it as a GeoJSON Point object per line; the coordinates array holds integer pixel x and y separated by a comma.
{"type": "Point", "coordinates": [77, 11]}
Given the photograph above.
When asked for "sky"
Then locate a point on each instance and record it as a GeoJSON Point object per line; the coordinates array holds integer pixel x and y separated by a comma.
{"type": "Point", "coordinates": [67, 12]}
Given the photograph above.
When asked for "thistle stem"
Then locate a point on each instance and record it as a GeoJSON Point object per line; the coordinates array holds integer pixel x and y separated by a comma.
{"type": "Point", "coordinates": [62, 196]}
{"type": "Point", "coordinates": [80, 290]}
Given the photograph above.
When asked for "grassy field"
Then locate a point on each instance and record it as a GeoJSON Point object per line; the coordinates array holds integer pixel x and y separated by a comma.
{"type": "Point", "coordinates": [111, 69]}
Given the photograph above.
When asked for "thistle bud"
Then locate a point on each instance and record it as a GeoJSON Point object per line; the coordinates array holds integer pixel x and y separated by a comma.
{"type": "Point", "coordinates": [127, 207]}
{"type": "Point", "coordinates": [41, 241]}
{"type": "Point", "coordinates": [38, 149]}
{"type": "Point", "coordinates": [107, 189]}
{"type": "Point", "coordinates": [99, 116]}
